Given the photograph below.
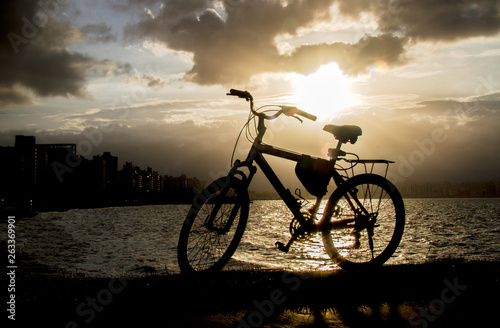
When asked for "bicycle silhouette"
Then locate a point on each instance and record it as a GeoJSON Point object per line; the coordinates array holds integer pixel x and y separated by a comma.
{"type": "Point", "coordinates": [361, 225]}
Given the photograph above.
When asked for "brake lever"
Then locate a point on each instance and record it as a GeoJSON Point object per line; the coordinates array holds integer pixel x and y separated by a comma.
{"type": "Point", "coordinates": [286, 109]}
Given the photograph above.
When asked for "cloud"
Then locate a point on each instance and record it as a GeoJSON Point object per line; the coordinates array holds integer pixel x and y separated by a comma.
{"type": "Point", "coordinates": [34, 54]}
{"type": "Point", "coordinates": [10, 96]}
{"type": "Point", "coordinates": [469, 133]}
{"type": "Point", "coordinates": [170, 148]}
{"type": "Point", "coordinates": [230, 46]}
{"type": "Point", "coordinates": [129, 5]}
{"type": "Point", "coordinates": [201, 111]}
{"type": "Point", "coordinates": [430, 20]}
{"type": "Point", "coordinates": [149, 80]}
{"type": "Point", "coordinates": [98, 33]}
{"type": "Point", "coordinates": [447, 20]}
{"type": "Point", "coordinates": [235, 40]}
{"type": "Point", "coordinates": [352, 58]}
{"type": "Point", "coordinates": [153, 82]}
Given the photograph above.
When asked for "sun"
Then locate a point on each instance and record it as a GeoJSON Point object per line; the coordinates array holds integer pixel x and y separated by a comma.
{"type": "Point", "coordinates": [324, 93]}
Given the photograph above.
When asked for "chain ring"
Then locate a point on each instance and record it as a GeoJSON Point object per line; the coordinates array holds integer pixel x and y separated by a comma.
{"type": "Point", "coordinates": [298, 231]}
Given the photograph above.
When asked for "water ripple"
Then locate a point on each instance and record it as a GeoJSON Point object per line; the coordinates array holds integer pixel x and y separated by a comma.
{"type": "Point", "coordinates": [118, 241]}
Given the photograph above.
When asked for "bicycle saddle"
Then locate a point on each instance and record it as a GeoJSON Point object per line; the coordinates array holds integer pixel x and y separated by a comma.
{"type": "Point", "coordinates": [344, 133]}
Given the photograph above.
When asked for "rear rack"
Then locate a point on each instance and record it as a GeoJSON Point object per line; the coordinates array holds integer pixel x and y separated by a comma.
{"type": "Point", "coordinates": [367, 164]}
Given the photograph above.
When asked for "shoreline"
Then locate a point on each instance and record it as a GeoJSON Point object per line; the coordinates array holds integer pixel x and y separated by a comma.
{"type": "Point", "coordinates": [4, 212]}
{"type": "Point", "coordinates": [442, 293]}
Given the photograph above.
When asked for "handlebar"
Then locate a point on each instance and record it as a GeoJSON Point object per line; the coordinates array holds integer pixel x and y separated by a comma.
{"type": "Point", "coordinates": [287, 110]}
{"type": "Point", "coordinates": [291, 111]}
{"type": "Point", "coordinates": [241, 94]}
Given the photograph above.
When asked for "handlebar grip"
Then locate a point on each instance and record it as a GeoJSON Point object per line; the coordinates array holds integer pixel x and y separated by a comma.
{"type": "Point", "coordinates": [290, 111]}
{"type": "Point", "coordinates": [240, 94]}
{"type": "Point", "coordinates": [307, 115]}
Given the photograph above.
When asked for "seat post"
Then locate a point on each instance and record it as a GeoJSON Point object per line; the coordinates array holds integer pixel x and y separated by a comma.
{"type": "Point", "coordinates": [334, 153]}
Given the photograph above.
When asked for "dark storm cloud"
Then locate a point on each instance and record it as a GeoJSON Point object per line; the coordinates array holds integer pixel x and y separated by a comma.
{"type": "Point", "coordinates": [444, 20]}
{"type": "Point", "coordinates": [33, 53]}
{"type": "Point", "coordinates": [352, 58]}
{"type": "Point", "coordinates": [232, 46]}
{"type": "Point", "coordinates": [447, 20]}
{"type": "Point", "coordinates": [12, 97]}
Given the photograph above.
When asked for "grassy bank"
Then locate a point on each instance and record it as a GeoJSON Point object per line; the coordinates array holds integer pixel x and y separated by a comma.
{"type": "Point", "coordinates": [437, 294]}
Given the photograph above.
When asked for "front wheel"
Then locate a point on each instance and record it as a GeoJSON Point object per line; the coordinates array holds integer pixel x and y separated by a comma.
{"type": "Point", "coordinates": [214, 226]}
{"type": "Point", "coordinates": [364, 221]}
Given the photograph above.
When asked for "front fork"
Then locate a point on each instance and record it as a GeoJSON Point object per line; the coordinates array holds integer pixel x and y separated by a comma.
{"type": "Point", "coordinates": [224, 198]}
{"type": "Point", "coordinates": [209, 222]}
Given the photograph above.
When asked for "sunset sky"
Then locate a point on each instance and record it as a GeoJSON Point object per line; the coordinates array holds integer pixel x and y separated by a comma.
{"type": "Point", "coordinates": [146, 80]}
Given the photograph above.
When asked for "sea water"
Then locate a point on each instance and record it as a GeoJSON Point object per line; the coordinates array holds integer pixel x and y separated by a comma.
{"type": "Point", "coordinates": [133, 240]}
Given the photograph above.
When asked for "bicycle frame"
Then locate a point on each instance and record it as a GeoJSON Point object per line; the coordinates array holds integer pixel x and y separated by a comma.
{"type": "Point", "coordinates": [361, 205]}
{"type": "Point", "coordinates": [355, 206]}
{"type": "Point", "coordinates": [256, 155]}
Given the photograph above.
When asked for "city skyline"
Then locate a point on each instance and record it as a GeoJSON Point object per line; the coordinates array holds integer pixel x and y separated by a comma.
{"type": "Point", "coordinates": [47, 168]}
{"type": "Point", "coordinates": [36, 177]}
{"type": "Point", "coordinates": [147, 80]}
{"type": "Point", "coordinates": [67, 162]}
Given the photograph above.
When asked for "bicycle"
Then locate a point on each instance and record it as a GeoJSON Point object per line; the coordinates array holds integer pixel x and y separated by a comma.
{"type": "Point", "coordinates": [361, 225]}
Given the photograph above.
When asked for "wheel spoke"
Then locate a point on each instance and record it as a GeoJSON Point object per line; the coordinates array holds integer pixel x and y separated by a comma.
{"type": "Point", "coordinates": [204, 243]}
{"type": "Point", "coordinates": [379, 210]}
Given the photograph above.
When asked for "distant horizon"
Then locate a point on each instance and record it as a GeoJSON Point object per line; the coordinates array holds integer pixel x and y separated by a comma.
{"type": "Point", "coordinates": [122, 163]}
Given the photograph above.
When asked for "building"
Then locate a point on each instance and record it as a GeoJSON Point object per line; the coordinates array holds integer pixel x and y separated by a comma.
{"type": "Point", "coordinates": [181, 183]}
{"type": "Point", "coordinates": [30, 171]}
{"type": "Point", "coordinates": [25, 160]}
{"type": "Point", "coordinates": [105, 171]}
{"type": "Point", "coordinates": [130, 178]}
{"type": "Point", "coordinates": [54, 162]}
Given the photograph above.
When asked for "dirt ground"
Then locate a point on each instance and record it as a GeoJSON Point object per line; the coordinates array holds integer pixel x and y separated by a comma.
{"type": "Point", "coordinates": [437, 294]}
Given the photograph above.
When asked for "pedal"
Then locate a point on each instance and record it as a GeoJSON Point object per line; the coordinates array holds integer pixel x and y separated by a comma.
{"type": "Point", "coordinates": [282, 247]}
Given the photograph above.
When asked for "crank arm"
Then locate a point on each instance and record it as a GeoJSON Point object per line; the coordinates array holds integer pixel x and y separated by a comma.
{"type": "Point", "coordinates": [284, 248]}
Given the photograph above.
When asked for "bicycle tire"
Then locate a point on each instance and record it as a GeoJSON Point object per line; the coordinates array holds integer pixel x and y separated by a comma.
{"type": "Point", "coordinates": [385, 221]}
{"type": "Point", "coordinates": [203, 247]}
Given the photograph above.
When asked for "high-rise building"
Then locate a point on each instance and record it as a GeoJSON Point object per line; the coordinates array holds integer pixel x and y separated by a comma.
{"type": "Point", "coordinates": [25, 164]}
{"type": "Point", "coordinates": [54, 163]}
{"type": "Point", "coordinates": [105, 171]}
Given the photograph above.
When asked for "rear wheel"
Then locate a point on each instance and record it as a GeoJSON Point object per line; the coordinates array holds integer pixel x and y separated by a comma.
{"type": "Point", "coordinates": [214, 226]}
{"type": "Point", "coordinates": [363, 222]}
